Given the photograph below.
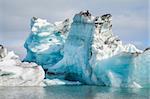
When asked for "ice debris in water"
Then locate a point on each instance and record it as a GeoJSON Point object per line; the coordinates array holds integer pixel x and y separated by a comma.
{"type": "Point", "coordinates": [86, 50]}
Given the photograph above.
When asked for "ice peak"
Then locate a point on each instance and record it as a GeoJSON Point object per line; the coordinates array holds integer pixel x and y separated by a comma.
{"type": "Point", "coordinates": [103, 23]}
{"type": "Point", "coordinates": [147, 49]}
{"type": "Point", "coordinates": [3, 51]}
{"type": "Point", "coordinates": [34, 18]}
{"type": "Point", "coordinates": [106, 17]}
{"type": "Point", "coordinates": [85, 13]}
{"type": "Point", "coordinates": [84, 17]}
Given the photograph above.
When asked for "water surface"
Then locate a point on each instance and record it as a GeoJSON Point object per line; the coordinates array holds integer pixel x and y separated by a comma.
{"type": "Point", "coordinates": [72, 92]}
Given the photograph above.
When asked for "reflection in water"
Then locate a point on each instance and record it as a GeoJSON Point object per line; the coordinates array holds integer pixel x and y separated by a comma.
{"type": "Point", "coordinates": [72, 92]}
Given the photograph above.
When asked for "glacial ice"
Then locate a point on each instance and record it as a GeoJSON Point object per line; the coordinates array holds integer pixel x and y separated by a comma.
{"type": "Point", "coordinates": [46, 41]}
{"type": "Point", "coordinates": [86, 50]}
{"type": "Point", "coordinates": [13, 72]}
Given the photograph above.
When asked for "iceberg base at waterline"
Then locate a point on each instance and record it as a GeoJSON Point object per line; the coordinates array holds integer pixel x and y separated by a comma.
{"type": "Point", "coordinates": [14, 72]}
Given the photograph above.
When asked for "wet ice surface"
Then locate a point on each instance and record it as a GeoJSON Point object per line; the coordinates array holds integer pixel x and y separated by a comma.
{"type": "Point", "coordinates": [72, 92]}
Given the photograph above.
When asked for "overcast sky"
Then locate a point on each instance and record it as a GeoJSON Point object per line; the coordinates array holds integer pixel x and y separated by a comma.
{"type": "Point", "coordinates": [130, 18]}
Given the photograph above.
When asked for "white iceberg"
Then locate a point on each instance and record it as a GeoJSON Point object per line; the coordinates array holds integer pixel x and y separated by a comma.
{"type": "Point", "coordinates": [13, 72]}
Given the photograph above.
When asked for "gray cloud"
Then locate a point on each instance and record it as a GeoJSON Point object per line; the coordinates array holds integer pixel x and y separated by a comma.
{"type": "Point", "coordinates": [19, 12]}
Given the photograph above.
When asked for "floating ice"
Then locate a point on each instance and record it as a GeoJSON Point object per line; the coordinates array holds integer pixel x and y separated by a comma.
{"type": "Point", "coordinates": [86, 51]}
{"type": "Point", "coordinates": [13, 72]}
{"type": "Point", "coordinates": [45, 43]}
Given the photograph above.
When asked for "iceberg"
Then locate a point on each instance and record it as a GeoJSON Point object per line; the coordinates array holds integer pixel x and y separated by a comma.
{"type": "Point", "coordinates": [13, 72]}
{"type": "Point", "coordinates": [85, 50]}
{"type": "Point", "coordinates": [46, 41]}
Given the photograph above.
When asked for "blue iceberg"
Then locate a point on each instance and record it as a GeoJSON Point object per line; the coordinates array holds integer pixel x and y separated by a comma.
{"type": "Point", "coordinates": [45, 43]}
{"type": "Point", "coordinates": [85, 49]}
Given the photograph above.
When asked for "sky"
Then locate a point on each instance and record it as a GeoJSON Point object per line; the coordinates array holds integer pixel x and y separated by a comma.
{"type": "Point", "coordinates": [130, 18]}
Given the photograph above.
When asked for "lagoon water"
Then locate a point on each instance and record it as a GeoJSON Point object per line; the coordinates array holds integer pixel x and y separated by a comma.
{"type": "Point", "coordinates": [73, 92]}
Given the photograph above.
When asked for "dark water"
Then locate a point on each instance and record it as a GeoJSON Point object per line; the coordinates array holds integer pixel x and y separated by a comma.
{"type": "Point", "coordinates": [72, 92]}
